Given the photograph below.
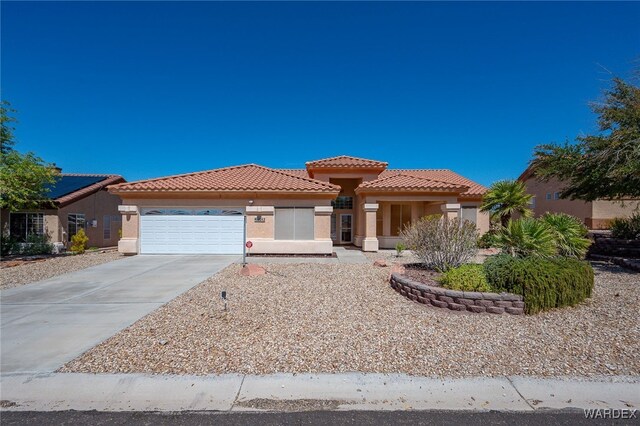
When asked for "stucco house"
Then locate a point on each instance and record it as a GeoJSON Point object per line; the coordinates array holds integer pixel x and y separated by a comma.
{"type": "Point", "coordinates": [594, 214]}
{"type": "Point", "coordinates": [339, 200]}
{"type": "Point", "coordinates": [76, 201]}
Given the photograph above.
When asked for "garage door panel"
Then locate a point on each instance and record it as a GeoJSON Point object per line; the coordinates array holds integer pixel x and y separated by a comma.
{"type": "Point", "coordinates": [166, 234]}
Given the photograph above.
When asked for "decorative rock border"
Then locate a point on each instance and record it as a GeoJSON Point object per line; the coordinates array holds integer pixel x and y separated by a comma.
{"type": "Point", "coordinates": [633, 264]}
{"type": "Point", "coordinates": [455, 300]}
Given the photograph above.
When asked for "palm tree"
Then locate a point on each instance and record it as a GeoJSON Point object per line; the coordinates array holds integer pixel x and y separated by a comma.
{"type": "Point", "coordinates": [506, 197]}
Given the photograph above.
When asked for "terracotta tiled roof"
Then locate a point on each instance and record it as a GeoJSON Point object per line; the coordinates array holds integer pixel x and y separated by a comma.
{"type": "Point", "coordinates": [407, 182]}
{"type": "Point", "coordinates": [249, 177]}
{"type": "Point", "coordinates": [296, 172]}
{"type": "Point", "coordinates": [443, 175]}
{"type": "Point", "coordinates": [83, 192]}
{"type": "Point", "coordinates": [345, 161]}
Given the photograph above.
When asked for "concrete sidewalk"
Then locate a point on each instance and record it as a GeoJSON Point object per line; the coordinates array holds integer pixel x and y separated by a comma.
{"type": "Point", "coordinates": [288, 392]}
{"type": "Point", "coordinates": [344, 255]}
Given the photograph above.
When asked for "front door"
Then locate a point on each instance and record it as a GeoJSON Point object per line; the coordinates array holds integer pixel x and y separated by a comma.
{"type": "Point", "coordinates": [345, 228]}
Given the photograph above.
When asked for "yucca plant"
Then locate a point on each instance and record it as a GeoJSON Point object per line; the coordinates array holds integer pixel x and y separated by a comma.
{"type": "Point", "coordinates": [526, 237]}
{"type": "Point", "coordinates": [569, 233]}
{"type": "Point", "coordinates": [506, 197]}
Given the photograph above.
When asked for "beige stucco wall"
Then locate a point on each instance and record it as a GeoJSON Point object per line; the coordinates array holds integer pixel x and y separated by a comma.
{"type": "Point", "coordinates": [580, 209]}
{"type": "Point", "coordinates": [596, 214]}
{"type": "Point", "coordinates": [483, 222]}
{"type": "Point", "coordinates": [94, 206]}
{"type": "Point", "coordinates": [605, 211]}
{"type": "Point", "coordinates": [611, 209]}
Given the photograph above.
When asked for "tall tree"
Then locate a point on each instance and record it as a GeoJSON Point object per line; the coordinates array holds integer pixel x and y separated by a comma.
{"type": "Point", "coordinates": [506, 197]}
{"type": "Point", "coordinates": [6, 128]}
{"type": "Point", "coordinates": [604, 165]}
{"type": "Point", "coordinates": [23, 177]}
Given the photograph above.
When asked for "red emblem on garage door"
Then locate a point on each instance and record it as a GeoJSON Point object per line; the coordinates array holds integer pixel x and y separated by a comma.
{"type": "Point", "coordinates": [249, 244]}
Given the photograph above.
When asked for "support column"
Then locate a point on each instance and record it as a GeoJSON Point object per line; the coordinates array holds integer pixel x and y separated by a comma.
{"type": "Point", "coordinates": [451, 211]}
{"type": "Point", "coordinates": [128, 243]}
{"type": "Point", "coordinates": [370, 242]}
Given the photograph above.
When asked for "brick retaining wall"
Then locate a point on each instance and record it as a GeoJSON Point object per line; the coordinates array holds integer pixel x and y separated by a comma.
{"type": "Point", "coordinates": [439, 297]}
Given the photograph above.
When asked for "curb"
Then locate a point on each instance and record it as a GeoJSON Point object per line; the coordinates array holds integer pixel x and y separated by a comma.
{"type": "Point", "coordinates": [303, 392]}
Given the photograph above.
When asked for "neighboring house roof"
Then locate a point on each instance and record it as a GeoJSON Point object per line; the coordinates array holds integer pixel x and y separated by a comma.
{"type": "Point", "coordinates": [346, 161]}
{"type": "Point", "coordinates": [395, 181]}
{"type": "Point", "coordinates": [528, 172]}
{"type": "Point", "coordinates": [70, 187]}
{"type": "Point", "coordinates": [249, 177]}
{"type": "Point", "coordinates": [443, 175]}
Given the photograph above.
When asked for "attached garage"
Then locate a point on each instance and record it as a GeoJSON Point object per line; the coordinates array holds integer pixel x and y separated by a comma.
{"type": "Point", "coordinates": [191, 231]}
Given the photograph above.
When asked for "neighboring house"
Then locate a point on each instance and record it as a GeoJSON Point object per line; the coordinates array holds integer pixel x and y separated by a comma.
{"type": "Point", "coordinates": [340, 200]}
{"type": "Point", "coordinates": [77, 201]}
{"type": "Point", "coordinates": [594, 214]}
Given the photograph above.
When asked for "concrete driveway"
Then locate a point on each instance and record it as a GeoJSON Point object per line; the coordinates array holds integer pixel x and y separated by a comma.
{"type": "Point", "coordinates": [46, 324]}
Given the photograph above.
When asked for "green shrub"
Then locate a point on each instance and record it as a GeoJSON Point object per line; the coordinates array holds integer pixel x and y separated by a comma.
{"type": "Point", "coordinates": [469, 277]}
{"type": "Point", "coordinates": [569, 233]}
{"type": "Point", "coordinates": [626, 228]}
{"type": "Point", "coordinates": [488, 239]}
{"type": "Point", "coordinates": [441, 243]}
{"type": "Point", "coordinates": [79, 242]}
{"type": "Point", "coordinates": [9, 245]}
{"type": "Point", "coordinates": [400, 247]}
{"type": "Point", "coordinates": [526, 237]}
{"type": "Point", "coordinates": [545, 283]}
{"type": "Point", "coordinates": [37, 244]}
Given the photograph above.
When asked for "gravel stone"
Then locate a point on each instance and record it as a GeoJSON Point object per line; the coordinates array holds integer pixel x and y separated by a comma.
{"type": "Point", "coordinates": [53, 266]}
{"type": "Point", "coordinates": [312, 318]}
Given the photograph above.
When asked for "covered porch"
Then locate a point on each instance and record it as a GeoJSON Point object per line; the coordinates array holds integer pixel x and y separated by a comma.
{"type": "Point", "coordinates": [383, 218]}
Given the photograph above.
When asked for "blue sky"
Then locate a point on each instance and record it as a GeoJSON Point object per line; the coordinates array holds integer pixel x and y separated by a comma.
{"type": "Point", "coordinates": [147, 89]}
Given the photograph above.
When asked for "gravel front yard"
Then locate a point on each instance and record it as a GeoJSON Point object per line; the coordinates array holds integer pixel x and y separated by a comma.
{"type": "Point", "coordinates": [51, 267]}
{"type": "Point", "coordinates": [341, 318]}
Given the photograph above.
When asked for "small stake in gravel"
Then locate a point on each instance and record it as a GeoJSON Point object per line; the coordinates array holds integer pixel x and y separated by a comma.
{"type": "Point", "coordinates": [223, 296]}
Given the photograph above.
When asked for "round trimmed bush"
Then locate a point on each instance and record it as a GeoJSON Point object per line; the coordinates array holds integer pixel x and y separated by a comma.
{"type": "Point", "coordinates": [469, 277]}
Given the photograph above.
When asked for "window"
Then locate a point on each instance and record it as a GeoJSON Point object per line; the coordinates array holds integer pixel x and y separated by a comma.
{"type": "Point", "coordinates": [556, 195]}
{"type": "Point", "coordinates": [75, 222]}
{"type": "Point", "coordinates": [294, 223]}
{"type": "Point", "coordinates": [106, 227]}
{"type": "Point", "coordinates": [532, 203]}
{"type": "Point", "coordinates": [21, 225]}
{"type": "Point", "coordinates": [548, 195]}
{"type": "Point", "coordinates": [342, 202]}
{"type": "Point", "coordinates": [469, 213]}
{"type": "Point", "coordinates": [400, 216]}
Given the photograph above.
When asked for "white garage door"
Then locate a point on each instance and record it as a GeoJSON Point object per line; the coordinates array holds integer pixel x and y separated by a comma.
{"type": "Point", "coordinates": [183, 231]}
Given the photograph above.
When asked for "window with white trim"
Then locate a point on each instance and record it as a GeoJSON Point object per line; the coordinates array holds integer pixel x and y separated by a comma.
{"type": "Point", "coordinates": [294, 223]}
{"type": "Point", "coordinates": [556, 196]}
{"type": "Point", "coordinates": [22, 225]}
{"type": "Point", "coordinates": [548, 195]}
{"type": "Point", "coordinates": [532, 203]}
{"type": "Point", "coordinates": [75, 222]}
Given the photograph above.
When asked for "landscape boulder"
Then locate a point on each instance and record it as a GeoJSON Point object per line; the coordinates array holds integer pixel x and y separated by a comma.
{"type": "Point", "coordinates": [250, 270]}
